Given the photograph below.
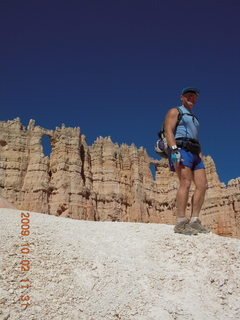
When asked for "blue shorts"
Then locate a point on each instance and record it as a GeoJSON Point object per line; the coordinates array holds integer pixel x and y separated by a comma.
{"type": "Point", "coordinates": [188, 159]}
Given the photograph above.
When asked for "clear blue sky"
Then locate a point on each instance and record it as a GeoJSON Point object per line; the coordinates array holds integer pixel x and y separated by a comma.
{"type": "Point", "coordinates": [114, 68]}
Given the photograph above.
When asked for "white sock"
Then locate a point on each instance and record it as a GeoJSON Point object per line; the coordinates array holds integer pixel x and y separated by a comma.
{"type": "Point", "coordinates": [180, 219]}
{"type": "Point", "coordinates": [193, 219]}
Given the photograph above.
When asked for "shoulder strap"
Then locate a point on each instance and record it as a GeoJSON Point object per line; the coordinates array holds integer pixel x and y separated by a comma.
{"type": "Point", "coordinates": [190, 114]}
{"type": "Point", "coordinates": [180, 115]}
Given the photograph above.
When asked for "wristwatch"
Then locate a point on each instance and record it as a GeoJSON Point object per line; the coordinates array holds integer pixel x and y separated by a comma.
{"type": "Point", "coordinates": [174, 148]}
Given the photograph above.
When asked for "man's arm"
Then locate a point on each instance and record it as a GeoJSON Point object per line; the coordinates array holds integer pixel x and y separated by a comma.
{"type": "Point", "coordinates": [170, 125]}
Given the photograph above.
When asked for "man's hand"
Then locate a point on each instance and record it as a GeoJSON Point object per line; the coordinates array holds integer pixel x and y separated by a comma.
{"type": "Point", "coordinates": [176, 157]}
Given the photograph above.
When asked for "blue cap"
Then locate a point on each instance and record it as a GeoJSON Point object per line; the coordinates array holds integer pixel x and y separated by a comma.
{"type": "Point", "coordinates": [194, 90]}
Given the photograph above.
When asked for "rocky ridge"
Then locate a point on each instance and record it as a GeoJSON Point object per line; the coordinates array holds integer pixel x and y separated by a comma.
{"type": "Point", "coordinates": [102, 182]}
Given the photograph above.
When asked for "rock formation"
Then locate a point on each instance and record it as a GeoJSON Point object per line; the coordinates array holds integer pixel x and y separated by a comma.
{"type": "Point", "coordinates": [104, 181]}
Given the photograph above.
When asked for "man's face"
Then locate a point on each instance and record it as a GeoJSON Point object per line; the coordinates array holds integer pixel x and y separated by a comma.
{"type": "Point", "coordinates": [189, 99]}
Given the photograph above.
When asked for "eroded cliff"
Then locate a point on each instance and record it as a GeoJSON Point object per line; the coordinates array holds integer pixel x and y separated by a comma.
{"type": "Point", "coordinates": [104, 181]}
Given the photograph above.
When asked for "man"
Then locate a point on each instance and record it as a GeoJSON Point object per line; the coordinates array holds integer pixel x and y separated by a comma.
{"type": "Point", "coordinates": [185, 157]}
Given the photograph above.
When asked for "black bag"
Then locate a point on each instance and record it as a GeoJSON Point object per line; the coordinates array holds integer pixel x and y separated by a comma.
{"type": "Point", "coordinates": [191, 145]}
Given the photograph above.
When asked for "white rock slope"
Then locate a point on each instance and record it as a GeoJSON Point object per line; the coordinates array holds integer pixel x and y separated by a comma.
{"type": "Point", "coordinates": [84, 270]}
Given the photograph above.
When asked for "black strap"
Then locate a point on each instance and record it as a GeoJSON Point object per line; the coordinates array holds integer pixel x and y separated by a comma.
{"type": "Point", "coordinates": [188, 144]}
{"type": "Point", "coordinates": [187, 139]}
{"type": "Point", "coordinates": [190, 114]}
{"type": "Point", "coordinates": [180, 115]}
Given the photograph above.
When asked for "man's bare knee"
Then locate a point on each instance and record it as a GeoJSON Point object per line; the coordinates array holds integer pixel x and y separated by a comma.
{"type": "Point", "coordinates": [202, 187]}
{"type": "Point", "coordinates": [185, 184]}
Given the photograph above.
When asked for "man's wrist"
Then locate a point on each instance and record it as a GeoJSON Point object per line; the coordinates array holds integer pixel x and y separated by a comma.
{"type": "Point", "coordinates": [174, 148]}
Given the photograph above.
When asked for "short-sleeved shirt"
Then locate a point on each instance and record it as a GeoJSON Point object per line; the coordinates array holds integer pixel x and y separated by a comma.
{"type": "Point", "coordinates": [188, 126]}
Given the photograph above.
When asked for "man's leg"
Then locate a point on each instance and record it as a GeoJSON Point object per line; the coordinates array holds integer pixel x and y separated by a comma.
{"type": "Point", "coordinates": [185, 177]}
{"type": "Point", "coordinates": [200, 181]}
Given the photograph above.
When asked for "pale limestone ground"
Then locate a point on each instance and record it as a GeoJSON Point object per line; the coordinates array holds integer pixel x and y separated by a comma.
{"type": "Point", "coordinates": [114, 270]}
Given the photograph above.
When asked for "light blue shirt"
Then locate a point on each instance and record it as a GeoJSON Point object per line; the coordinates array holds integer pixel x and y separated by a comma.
{"type": "Point", "coordinates": [188, 127]}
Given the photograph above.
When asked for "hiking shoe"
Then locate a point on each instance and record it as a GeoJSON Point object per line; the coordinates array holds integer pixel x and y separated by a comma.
{"type": "Point", "coordinates": [198, 226]}
{"type": "Point", "coordinates": [183, 227]}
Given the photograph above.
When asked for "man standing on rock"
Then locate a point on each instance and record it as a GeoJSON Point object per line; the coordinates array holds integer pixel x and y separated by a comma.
{"type": "Point", "coordinates": [185, 157]}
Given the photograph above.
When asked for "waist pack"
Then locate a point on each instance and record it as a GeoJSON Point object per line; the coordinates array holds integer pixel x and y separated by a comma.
{"type": "Point", "coordinates": [187, 144]}
{"type": "Point", "coordinates": [161, 146]}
